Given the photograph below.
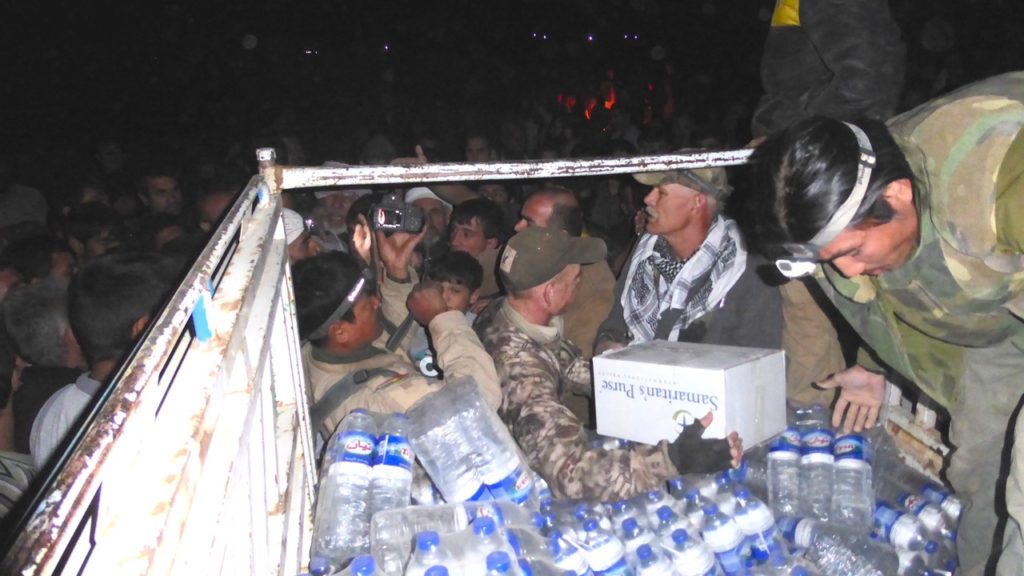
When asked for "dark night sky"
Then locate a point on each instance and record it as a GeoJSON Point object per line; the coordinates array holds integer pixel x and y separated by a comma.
{"type": "Point", "coordinates": [181, 69]}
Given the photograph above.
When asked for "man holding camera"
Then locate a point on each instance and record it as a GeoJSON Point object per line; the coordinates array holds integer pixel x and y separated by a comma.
{"type": "Point", "coordinates": [341, 321]}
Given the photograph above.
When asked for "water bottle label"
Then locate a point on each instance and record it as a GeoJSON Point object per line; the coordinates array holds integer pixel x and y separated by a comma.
{"type": "Point", "coordinates": [732, 562]}
{"type": "Point", "coordinates": [851, 449]}
{"type": "Point", "coordinates": [394, 451]}
{"type": "Point", "coordinates": [355, 447]}
{"type": "Point", "coordinates": [804, 532]}
{"type": "Point", "coordinates": [816, 446]}
{"type": "Point", "coordinates": [913, 502]}
{"type": "Point", "coordinates": [788, 441]}
{"type": "Point", "coordinates": [726, 536]}
{"type": "Point", "coordinates": [515, 487]}
{"type": "Point", "coordinates": [487, 511]}
{"type": "Point", "coordinates": [619, 568]}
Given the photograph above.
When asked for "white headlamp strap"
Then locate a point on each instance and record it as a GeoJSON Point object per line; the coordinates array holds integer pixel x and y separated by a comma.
{"type": "Point", "coordinates": [794, 268]}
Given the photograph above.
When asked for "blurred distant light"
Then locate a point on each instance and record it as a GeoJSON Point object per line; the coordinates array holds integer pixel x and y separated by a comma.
{"type": "Point", "coordinates": [534, 34]}
{"type": "Point", "coordinates": [387, 47]}
{"type": "Point", "coordinates": [625, 36]}
{"type": "Point", "coordinates": [249, 42]}
{"type": "Point", "coordinates": [544, 37]}
{"type": "Point", "coordinates": [636, 36]}
{"type": "Point", "coordinates": [590, 37]}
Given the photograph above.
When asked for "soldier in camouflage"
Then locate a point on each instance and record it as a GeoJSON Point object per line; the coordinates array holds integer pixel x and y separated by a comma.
{"type": "Point", "coordinates": [915, 231]}
{"type": "Point", "coordinates": [538, 368]}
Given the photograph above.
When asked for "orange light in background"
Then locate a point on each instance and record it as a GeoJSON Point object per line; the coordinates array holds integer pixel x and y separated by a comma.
{"type": "Point", "coordinates": [589, 110]}
{"type": "Point", "coordinates": [570, 103]}
{"type": "Point", "coordinates": [609, 101]}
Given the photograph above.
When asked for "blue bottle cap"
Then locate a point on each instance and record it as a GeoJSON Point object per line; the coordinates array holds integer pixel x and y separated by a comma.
{"type": "Point", "coordinates": [619, 506]}
{"type": "Point", "coordinates": [644, 553]}
{"type": "Point", "coordinates": [427, 540]}
{"type": "Point", "coordinates": [363, 565]}
{"type": "Point", "coordinates": [711, 510]}
{"type": "Point", "coordinates": [484, 526]}
{"type": "Point", "coordinates": [436, 571]}
{"type": "Point", "coordinates": [630, 526]}
{"type": "Point", "coordinates": [676, 484]}
{"type": "Point", "coordinates": [931, 547]}
{"type": "Point", "coordinates": [679, 536]}
{"type": "Point", "coordinates": [799, 571]}
{"type": "Point", "coordinates": [654, 495]}
{"type": "Point", "coordinates": [666, 514]}
{"type": "Point", "coordinates": [318, 566]}
{"type": "Point", "coordinates": [742, 493]}
{"type": "Point", "coordinates": [499, 562]}
{"type": "Point", "coordinates": [590, 525]}
{"type": "Point", "coordinates": [692, 494]}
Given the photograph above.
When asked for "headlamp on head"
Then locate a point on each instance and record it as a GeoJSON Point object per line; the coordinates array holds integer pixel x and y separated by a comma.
{"type": "Point", "coordinates": [804, 257]}
{"type": "Point", "coordinates": [365, 279]}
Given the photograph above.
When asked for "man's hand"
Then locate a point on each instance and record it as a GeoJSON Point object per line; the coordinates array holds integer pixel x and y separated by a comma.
{"type": "Point", "coordinates": [425, 302]}
{"type": "Point", "coordinates": [859, 400]}
{"type": "Point", "coordinates": [417, 160]}
{"type": "Point", "coordinates": [690, 453]}
{"type": "Point", "coordinates": [396, 252]}
{"type": "Point", "coordinates": [607, 346]}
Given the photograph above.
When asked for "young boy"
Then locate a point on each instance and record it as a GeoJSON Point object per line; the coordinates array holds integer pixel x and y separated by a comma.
{"type": "Point", "coordinates": [459, 276]}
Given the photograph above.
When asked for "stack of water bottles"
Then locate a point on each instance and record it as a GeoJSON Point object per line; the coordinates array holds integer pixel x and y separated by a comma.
{"type": "Point", "coordinates": [822, 488]}
{"type": "Point", "coordinates": [467, 450]}
{"type": "Point", "coordinates": [365, 469]}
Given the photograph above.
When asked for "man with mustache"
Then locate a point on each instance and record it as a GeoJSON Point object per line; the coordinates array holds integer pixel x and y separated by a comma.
{"type": "Point", "coordinates": [690, 277]}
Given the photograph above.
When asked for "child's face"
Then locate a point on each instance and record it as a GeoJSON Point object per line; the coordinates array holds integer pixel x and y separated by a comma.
{"type": "Point", "coordinates": [457, 296]}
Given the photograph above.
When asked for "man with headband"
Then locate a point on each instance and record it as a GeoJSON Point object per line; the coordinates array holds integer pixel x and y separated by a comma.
{"type": "Point", "coordinates": [690, 277]}
{"type": "Point", "coordinates": [915, 231]}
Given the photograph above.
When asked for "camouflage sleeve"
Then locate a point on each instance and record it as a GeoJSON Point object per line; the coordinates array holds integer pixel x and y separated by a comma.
{"type": "Point", "coordinates": [577, 372]}
{"type": "Point", "coordinates": [460, 354]}
{"type": "Point", "coordinates": [554, 441]}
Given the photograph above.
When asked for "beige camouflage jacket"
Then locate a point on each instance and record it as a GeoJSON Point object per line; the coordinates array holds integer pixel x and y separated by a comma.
{"type": "Point", "coordinates": [537, 368]}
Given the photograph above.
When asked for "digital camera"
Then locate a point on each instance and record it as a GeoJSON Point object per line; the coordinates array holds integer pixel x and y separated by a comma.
{"type": "Point", "coordinates": [392, 214]}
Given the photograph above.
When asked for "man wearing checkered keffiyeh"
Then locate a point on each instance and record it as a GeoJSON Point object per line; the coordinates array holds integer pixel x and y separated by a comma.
{"type": "Point", "coordinates": [690, 277]}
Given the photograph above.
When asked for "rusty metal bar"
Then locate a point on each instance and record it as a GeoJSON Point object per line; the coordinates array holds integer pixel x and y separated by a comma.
{"type": "Point", "coordinates": [301, 177]}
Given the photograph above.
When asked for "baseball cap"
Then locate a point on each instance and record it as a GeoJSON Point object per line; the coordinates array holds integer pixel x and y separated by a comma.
{"type": "Point", "coordinates": [710, 180]}
{"type": "Point", "coordinates": [358, 192]}
{"type": "Point", "coordinates": [536, 255]}
{"type": "Point", "coordinates": [421, 192]}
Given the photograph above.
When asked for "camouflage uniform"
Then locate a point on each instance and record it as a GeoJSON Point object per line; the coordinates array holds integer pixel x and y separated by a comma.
{"type": "Point", "coordinates": [538, 368]}
{"type": "Point", "coordinates": [950, 319]}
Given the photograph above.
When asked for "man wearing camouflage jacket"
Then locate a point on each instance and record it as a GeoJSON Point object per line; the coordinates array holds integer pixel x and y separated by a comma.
{"type": "Point", "coordinates": [916, 232]}
{"type": "Point", "coordinates": [540, 269]}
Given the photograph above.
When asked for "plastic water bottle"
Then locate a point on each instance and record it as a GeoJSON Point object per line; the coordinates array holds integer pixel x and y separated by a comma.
{"type": "Point", "coordinates": [725, 539]}
{"type": "Point", "coordinates": [482, 539]}
{"type": "Point", "coordinates": [677, 488]}
{"type": "Point", "coordinates": [942, 555]}
{"type": "Point", "coordinates": [428, 554]}
{"type": "Point", "coordinates": [724, 497]}
{"type": "Point", "coordinates": [620, 511]}
{"type": "Point", "coordinates": [567, 556]}
{"type": "Point", "coordinates": [543, 568]}
{"type": "Point", "coordinates": [439, 570]}
{"type": "Point", "coordinates": [839, 551]}
{"type": "Point", "coordinates": [652, 563]}
{"type": "Point", "coordinates": [362, 565]}
{"type": "Point", "coordinates": [784, 473]}
{"type": "Point", "coordinates": [930, 515]}
{"type": "Point", "coordinates": [527, 543]}
{"type": "Point", "coordinates": [604, 553]}
{"type": "Point", "coordinates": [391, 485]}
{"type": "Point", "coordinates": [342, 528]}
{"type": "Point", "coordinates": [950, 504]}
{"type": "Point", "coordinates": [853, 497]}
{"type": "Point", "coordinates": [912, 563]}
{"type": "Point", "coordinates": [669, 522]}
{"type": "Point", "coordinates": [652, 500]}
{"type": "Point", "coordinates": [634, 535]}
{"type": "Point", "coordinates": [758, 525]}
{"type": "Point", "coordinates": [695, 506]}
{"type": "Point", "coordinates": [899, 527]}
{"type": "Point", "coordinates": [690, 555]}
{"type": "Point", "coordinates": [816, 471]}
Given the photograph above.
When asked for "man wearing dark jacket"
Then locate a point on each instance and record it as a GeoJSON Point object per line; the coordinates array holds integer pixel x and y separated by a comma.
{"type": "Point", "coordinates": [690, 277]}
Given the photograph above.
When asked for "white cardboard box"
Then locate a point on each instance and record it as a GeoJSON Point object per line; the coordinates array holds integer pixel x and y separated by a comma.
{"type": "Point", "coordinates": [648, 392]}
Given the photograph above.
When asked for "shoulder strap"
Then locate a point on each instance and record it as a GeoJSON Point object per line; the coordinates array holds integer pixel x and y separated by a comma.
{"type": "Point", "coordinates": [339, 392]}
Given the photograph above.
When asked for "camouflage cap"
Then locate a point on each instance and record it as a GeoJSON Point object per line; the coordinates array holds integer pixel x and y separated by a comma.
{"type": "Point", "coordinates": [536, 255]}
{"type": "Point", "coordinates": [711, 180]}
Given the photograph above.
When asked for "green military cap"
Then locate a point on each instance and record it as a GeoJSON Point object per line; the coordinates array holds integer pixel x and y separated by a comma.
{"type": "Point", "coordinates": [536, 255]}
{"type": "Point", "coordinates": [711, 180]}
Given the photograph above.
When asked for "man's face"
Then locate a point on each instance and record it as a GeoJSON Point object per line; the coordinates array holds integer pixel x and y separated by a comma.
{"type": "Point", "coordinates": [336, 207]}
{"type": "Point", "coordinates": [303, 247]}
{"type": "Point", "coordinates": [458, 296]}
{"type": "Point", "coordinates": [874, 249]}
{"type": "Point", "coordinates": [494, 192]}
{"type": "Point", "coordinates": [469, 237]}
{"type": "Point", "coordinates": [436, 218]}
{"type": "Point", "coordinates": [367, 326]}
{"type": "Point", "coordinates": [62, 265]}
{"type": "Point", "coordinates": [536, 212]}
{"type": "Point", "coordinates": [670, 208]}
{"type": "Point", "coordinates": [564, 287]}
{"type": "Point", "coordinates": [211, 208]}
{"type": "Point", "coordinates": [163, 195]}
{"type": "Point", "coordinates": [477, 150]}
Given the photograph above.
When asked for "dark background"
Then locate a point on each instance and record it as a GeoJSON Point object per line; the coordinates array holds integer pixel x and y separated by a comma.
{"type": "Point", "coordinates": [191, 78]}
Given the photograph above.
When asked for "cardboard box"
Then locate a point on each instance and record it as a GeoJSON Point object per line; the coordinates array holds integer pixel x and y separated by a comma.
{"type": "Point", "coordinates": [648, 392]}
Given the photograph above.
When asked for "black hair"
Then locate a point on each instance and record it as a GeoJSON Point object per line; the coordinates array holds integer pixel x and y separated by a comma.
{"type": "Point", "coordinates": [32, 257]}
{"type": "Point", "coordinates": [488, 213]}
{"type": "Point", "coordinates": [806, 171]}
{"type": "Point", "coordinates": [89, 220]}
{"type": "Point", "coordinates": [321, 283]}
{"type": "Point", "coordinates": [109, 294]}
{"type": "Point", "coordinates": [154, 170]}
{"type": "Point", "coordinates": [457, 267]}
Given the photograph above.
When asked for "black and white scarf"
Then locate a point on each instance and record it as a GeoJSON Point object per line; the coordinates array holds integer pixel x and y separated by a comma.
{"type": "Point", "coordinates": [657, 281]}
